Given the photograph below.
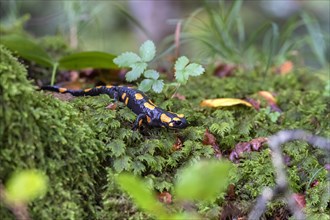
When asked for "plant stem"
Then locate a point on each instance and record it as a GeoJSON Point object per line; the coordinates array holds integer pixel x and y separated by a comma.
{"type": "Point", "coordinates": [53, 73]}
{"type": "Point", "coordinates": [176, 90]}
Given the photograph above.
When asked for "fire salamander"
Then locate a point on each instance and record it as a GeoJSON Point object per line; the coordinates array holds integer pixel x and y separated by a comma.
{"type": "Point", "coordinates": [146, 111]}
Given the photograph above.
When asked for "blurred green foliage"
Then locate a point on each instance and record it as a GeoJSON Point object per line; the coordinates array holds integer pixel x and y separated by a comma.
{"type": "Point", "coordinates": [25, 186]}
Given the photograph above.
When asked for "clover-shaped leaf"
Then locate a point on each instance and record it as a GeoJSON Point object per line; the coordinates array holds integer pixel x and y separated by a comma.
{"type": "Point", "coordinates": [158, 86]}
{"type": "Point", "coordinates": [147, 51]}
{"type": "Point", "coordinates": [127, 59]}
{"type": "Point", "coordinates": [135, 73]}
{"type": "Point", "coordinates": [152, 82]}
{"type": "Point", "coordinates": [183, 69]}
{"type": "Point", "coordinates": [151, 74]}
{"type": "Point", "coordinates": [146, 85]}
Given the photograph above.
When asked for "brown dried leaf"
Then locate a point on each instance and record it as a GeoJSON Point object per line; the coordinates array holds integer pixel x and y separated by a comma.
{"type": "Point", "coordinates": [209, 139]}
{"type": "Point", "coordinates": [165, 197]}
{"type": "Point", "coordinates": [270, 98]}
{"type": "Point", "coordinates": [112, 106]}
{"type": "Point", "coordinates": [242, 147]}
{"type": "Point", "coordinates": [231, 192]}
{"type": "Point", "coordinates": [285, 68]}
{"type": "Point", "coordinates": [178, 144]}
{"type": "Point", "coordinates": [255, 103]}
{"type": "Point", "coordinates": [224, 70]}
{"type": "Point", "coordinates": [314, 183]}
{"type": "Point", "coordinates": [179, 96]}
{"type": "Point", "coordinates": [257, 142]}
{"type": "Point", "coordinates": [300, 199]}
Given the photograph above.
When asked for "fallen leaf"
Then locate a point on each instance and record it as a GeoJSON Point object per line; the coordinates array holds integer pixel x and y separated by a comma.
{"type": "Point", "coordinates": [209, 139]}
{"type": "Point", "coordinates": [242, 147]}
{"type": "Point", "coordinates": [254, 103]}
{"type": "Point", "coordinates": [300, 199]}
{"type": "Point", "coordinates": [221, 102]}
{"type": "Point", "coordinates": [179, 96]}
{"type": "Point", "coordinates": [285, 68]}
{"type": "Point", "coordinates": [231, 192]}
{"type": "Point", "coordinates": [224, 70]}
{"type": "Point", "coordinates": [178, 144]}
{"type": "Point", "coordinates": [165, 197]}
{"type": "Point", "coordinates": [268, 96]}
{"type": "Point", "coordinates": [112, 106]}
{"type": "Point", "coordinates": [257, 142]}
{"type": "Point", "coordinates": [314, 183]}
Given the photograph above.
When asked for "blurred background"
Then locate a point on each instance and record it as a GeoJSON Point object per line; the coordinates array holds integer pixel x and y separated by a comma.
{"type": "Point", "coordinates": [118, 26]}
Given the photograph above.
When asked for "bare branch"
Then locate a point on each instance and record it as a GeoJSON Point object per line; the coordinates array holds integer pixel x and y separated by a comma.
{"type": "Point", "coordinates": [282, 186]}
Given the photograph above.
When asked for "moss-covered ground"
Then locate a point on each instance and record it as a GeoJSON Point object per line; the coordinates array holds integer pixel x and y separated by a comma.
{"type": "Point", "coordinates": [81, 145]}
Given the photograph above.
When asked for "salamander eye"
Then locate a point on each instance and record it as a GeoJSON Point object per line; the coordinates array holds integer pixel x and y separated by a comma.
{"type": "Point", "coordinates": [178, 123]}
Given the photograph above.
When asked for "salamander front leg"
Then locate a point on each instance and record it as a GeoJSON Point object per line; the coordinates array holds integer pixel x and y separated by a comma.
{"type": "Point", "coordinates": [138, 122]}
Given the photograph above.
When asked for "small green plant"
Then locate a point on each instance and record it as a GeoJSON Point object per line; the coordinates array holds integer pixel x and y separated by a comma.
{"type": "Point", "coordinates": [273, 116]}
{"type": "Point", "coordinates": [139, 64]}
{"type": "Point", "coordinates": [202, 181]}
{"type": "Point", "coordinates": [25, 186]}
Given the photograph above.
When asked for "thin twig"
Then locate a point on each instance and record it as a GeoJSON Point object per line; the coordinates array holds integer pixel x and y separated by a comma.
{"type": "Point", "coordinates": [282, 186]}
{"type": "Point", "coordinates": [177, 39]}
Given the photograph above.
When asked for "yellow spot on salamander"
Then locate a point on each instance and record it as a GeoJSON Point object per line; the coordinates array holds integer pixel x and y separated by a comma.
{"type": "Point", "coordinates": [138, 96]}
{"type": "Point", "coordinates": [180, 115]}
{"type": "Point", "coordinates": [176, 119]}
{"type": "Point", "coordinates": [126, 101]}
{"type": "Point", "coordinates": [98, 87]}
{"type": "Point", "coordinates": [123, 96]}
{"type": "Point", "coordinates": [171, 124]}
{"type": "Point", "coordinates": [140, 122]}
{"type": "Point", "coordinates": [87, 90]}
{"type": "Point", "coordinates": [148, 119]}
{"type": "Point", "coordinates": [62, 89]}
{"type": "Point", "coordinates": [164, 118]}
{"type": "Point", "coordinates": [149, 106]}
{"type": "Point", "coordinates": [109, 87]}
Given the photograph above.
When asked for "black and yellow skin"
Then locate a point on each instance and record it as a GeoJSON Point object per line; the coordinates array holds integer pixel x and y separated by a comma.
{"type": "Point", "coordinates": [146, 111]}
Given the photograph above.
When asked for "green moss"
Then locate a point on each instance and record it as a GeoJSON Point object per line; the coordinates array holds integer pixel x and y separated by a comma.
{"type": "Point", "coordinates": [40, 132]}
{"type": "Point", "coordinates": [81, 145]}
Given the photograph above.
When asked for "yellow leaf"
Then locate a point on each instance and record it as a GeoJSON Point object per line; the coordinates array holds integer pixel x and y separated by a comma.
{"type": "Point", "coordinates": [223, 102]}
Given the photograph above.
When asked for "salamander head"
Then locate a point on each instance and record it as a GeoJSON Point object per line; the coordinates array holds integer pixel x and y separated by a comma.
{"type": "Point", "coordinates": [173, 120]}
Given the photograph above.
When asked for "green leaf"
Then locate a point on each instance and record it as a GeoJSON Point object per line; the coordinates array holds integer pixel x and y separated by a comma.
{"type": "Point", "coordinates": [158, 86]}
{"type": "Point", "coordinates": [135, 73]}
{"type": "Point", "coordinates": [183, 70]}
{"type": "Point", "coordinates": [145, 85]}
{"type": "Point", "coordinates": [181, 63]}
{"type": "Point", "coordinates": [147, 51]}
{"type": "Point", "coordinates": [138, 167]}
{"type": "Point", "coordinates": [88, 59]}
{"type": "Point", "coordinates": [152, 74]}
{"type": "Point", "coordinates": [117, 147]}
{"type": "Point", "coordinates": [25, 186]}
{"type": "Point", "coordinates": [203, 181]}
{"type": "Point", "coordinates": [127, 59]}
{"type": "Point", "coordinates": [122, 163]}
{"type": "Point", "coordinates": [27, 49]}
{"type": "Point", "coordinates": [182, 76]}
{"type": "Point", "coordinates": [194, 69]}
{"type": "Point", "coordinates": [141, 194]}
